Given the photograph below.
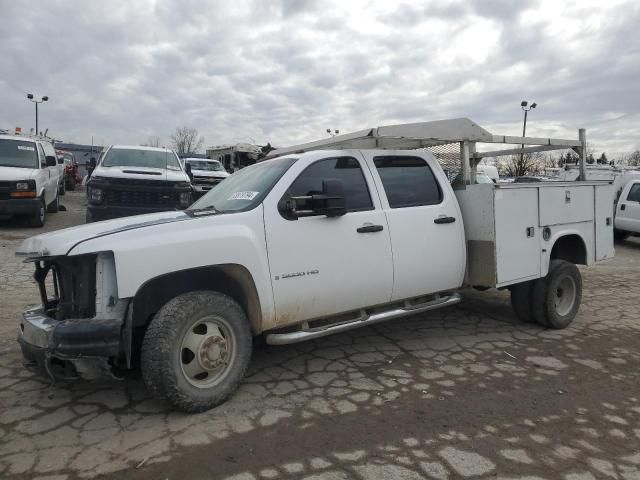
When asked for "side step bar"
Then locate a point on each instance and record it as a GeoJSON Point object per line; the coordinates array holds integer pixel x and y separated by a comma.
{"type": "Point", "coordinates": [308, 333]}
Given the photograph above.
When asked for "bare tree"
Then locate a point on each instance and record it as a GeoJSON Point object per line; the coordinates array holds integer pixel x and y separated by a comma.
{"type": "Point", "coordinates": [152, 141]}
{"type": "Point", "coordinates": [519, 165]}
{"type": "Point", "coordinates": [633, 159]}
{"type": "Point", "coordinates": [186, 140]}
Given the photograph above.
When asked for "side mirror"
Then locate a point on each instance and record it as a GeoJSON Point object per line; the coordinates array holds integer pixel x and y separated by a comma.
{"type": "Point", "coordinates": [92, 163]}
{"type": "Point", "coordinates": [330, 202]}
{"type": "Point", "coordinates": [187, 169]}
{"type": "Point", "coordinates": [51, 161]}
{"type": "Point", "coordinates": [60, 160]}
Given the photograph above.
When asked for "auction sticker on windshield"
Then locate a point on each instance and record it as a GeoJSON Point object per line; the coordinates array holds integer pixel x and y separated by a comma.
{"type": "Point", "coordinates": [28, 149]}
{"type": "Point", "coordinates": [243, 196]}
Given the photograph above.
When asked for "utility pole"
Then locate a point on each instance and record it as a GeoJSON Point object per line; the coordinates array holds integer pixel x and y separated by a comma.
{"type": "Point", "coordinates": [523, 105]}
{"type": "Point", "coordinates": [36, 101]}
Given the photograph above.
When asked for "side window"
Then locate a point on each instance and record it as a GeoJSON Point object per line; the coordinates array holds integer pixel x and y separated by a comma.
{"type": "Point", "coordinates": [41, 157]}
{"type": "Point", "coordinates": [408, 181]}
{"type": "Point", "coordinates": [346, 169]}
{"type": "Point", "coordinates": [634, 193]}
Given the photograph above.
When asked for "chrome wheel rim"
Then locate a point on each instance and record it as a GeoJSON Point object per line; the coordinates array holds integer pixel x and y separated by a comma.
{"type": "Point", "coordinates": [41, 211]}
{"type": "Point", "coordinates": [207, 351]}
{"type": "Point", "coordinates": [565, 295]}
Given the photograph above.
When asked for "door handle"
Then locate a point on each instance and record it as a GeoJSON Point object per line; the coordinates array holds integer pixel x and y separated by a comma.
{"type": "Point", "coordinates": [444, 219]}
{"type": "Point", "coordinates": [623, 206]}
{"type": "Point", "coordinates": [370, 229]}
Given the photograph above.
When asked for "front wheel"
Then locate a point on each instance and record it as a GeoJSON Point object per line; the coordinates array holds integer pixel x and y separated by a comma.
{"type": "Point", "coordinates": [556, 297]}
{"type": "Point", "coordinates": [196, 350]}
{"type": "Point", "coordinates": [38, 218]}
{"type": "Point", "coordinates": [54, 206]}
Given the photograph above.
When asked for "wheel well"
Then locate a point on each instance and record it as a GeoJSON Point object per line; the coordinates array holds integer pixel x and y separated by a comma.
{"type": "Point", "coordinates": [232, 280]}
{"type": "Point", "coordinates": [570, 248]}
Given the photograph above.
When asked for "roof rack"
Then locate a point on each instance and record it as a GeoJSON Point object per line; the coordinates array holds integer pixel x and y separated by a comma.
{"type": "Point", "coordinates": [460, 131]}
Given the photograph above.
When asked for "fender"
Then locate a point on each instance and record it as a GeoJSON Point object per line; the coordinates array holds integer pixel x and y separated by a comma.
{"type": "Point", "coordinates": [143, 254]}
{"type": "Point", "coordinates": [580, 230]}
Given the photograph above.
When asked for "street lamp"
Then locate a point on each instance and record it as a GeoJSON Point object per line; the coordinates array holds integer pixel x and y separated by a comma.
{"type": "Point", "coordinates": [525, 109]}
{"type": "Point", "coordinates": [334, 133]}
{"type": "Point", "coordinates": [36, 101]}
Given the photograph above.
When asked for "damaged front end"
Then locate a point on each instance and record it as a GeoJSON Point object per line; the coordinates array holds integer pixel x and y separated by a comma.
{"type": "Point", "coordinates": [77, 330]}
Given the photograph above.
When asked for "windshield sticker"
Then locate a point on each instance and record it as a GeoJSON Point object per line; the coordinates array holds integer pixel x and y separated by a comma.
{"type": "Point", "coordinates": [28, 149]}
{"type": "Point", "coordinates": [243, 196]}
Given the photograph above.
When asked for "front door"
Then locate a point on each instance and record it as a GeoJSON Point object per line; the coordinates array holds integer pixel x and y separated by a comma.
{"type": "Point", "coordinates": [322, 266]}
{"type": "Point", "coordinates": [425, 223]}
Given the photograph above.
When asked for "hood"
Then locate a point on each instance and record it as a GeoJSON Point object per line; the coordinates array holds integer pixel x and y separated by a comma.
{"type": "Point", "coordinates": [142, 173]}
{"type": "Point", "coordinates": [60, 242]}
{"type": "Point", "coordinates": [209, 173]}
{"type": "Point", "coordinates": [13, 174]}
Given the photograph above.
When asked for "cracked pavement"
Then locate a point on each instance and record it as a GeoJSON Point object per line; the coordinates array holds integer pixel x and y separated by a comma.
{"type": "Point", "coordinates": [464, 392]}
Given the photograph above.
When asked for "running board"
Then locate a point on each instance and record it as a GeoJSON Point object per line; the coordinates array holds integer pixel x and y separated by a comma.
{"type": "Point", "coordinates": [308, 333]}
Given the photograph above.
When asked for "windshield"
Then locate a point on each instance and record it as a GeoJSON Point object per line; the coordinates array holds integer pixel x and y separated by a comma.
{"type": "Point", "coordinates": [18, 153]}
{"type": "Point", "coordinates": [128, 157]}
{"type": "Point", "coordinates": [482, 178]}
{"type": "Point", "coordinates": [211, 165]}
{"type": "Point", "coordinates": [246, 188]}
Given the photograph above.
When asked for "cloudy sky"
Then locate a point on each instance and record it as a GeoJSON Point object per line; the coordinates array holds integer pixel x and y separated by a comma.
{"type": "Point", "coordinates": [284, 71]}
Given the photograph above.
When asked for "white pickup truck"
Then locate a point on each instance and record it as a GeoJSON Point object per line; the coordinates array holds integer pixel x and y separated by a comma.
{"type": "Point", "coordinates": [321, 239]}
{"type": "Point", "coordinates": [627, 220]}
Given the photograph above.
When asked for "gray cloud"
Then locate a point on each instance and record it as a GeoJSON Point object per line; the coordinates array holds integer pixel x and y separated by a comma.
{"type": "Point", "coordinates": [285, 71]}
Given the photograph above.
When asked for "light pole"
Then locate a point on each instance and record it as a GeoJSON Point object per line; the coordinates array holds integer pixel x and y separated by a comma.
{"type": "Point", "coordinates": [526, 109]}
{"type": "Point", "coordinates": [34, 100]}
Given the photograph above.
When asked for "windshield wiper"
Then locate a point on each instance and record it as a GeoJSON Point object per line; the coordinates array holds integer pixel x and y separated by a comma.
{"type": "Point", "coordinates": [208, 210]}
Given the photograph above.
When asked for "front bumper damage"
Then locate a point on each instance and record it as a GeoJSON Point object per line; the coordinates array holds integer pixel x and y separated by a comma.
{"type": "Point", "coordinates": [68, 349]}
{"type": "Point", "coordinates": [78, 331]}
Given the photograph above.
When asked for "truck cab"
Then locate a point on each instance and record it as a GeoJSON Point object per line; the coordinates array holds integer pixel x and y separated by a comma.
{"type": "Point", "coordinates": [205, 174]}
{"type": "Point", "coordinates": [627, 219]}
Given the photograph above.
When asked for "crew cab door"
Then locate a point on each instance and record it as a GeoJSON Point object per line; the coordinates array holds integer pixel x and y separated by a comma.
{"type": "Point", "coordinates": [425, 223]}
{"type": "Point", "coordinates": [320, 265]}
{"type": "Point", "coordinates": [628, 208]}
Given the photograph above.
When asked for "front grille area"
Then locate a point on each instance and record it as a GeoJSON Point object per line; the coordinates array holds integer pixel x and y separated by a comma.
{"type": "Point", "coordinates": [206, 180]}
{"type": "Point", "coordinates": [150, 198]}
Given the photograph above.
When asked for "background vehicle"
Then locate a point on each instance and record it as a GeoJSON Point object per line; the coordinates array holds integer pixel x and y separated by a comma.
{"type": "Point", "coordinates": [627, 220]}
{"type": "Point", "coordinates": [490, 171]}
{"type": "Point", "coordinates": [483, 178]}
{"type": "Point", "coordinates": [205, 174]}
{"type": "Point", "coordinates": [71, 176]}
{"type": "Point", "coordinates": [28, 178]}
{"type": "Point", "coordinates": [320, 239]}
{"type": "Point", "coordinates": [131, 180]}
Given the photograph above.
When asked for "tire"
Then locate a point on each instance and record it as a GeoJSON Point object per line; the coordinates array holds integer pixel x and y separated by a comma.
{"type": "Point", "coordinates": [71, 185]}
{"type": "Point", "coordinates": [38, 219]}
{"type": "Point", "coordinates": [63, 187]}
{"type": "Point", "coordinates": [55, 205]}
{"type": "Point", "coordinates": [176, 358]}
{"type": "Point", "coordinates": [556, 298]}
{"type": "Point", "coordinates": [521, 301]}
{"type": "Point", "coordinates": [619, 234]}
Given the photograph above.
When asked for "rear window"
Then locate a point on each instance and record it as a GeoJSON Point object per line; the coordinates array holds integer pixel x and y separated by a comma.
{"type": "Point", "coordinates": [126, 157]}
{"type": "Point", "coordinates": [18, 153]}
{"type": "Point", "coordinates": [408, 181]}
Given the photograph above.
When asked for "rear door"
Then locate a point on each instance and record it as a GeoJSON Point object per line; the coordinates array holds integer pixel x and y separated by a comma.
{"type": "Point", "coordinates": [628, 209]}
{"type": "Point", "coordinates": [425, 223]}
{"type": "Point", "coordinates": [49, 180]}
{"type": "Point", "coordinates": [322, 266]}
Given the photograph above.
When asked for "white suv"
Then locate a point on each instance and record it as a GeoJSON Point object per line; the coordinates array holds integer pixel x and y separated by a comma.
{"type": "Point", "coordinates": [29, 178]}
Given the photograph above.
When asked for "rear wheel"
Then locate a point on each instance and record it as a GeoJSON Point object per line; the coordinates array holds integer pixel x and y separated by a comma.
{"type": "Point", "coordinates": [38, 218]}
{"type": "Point", "coordinates": [521, 301]}
{"type": "Point", "coordinates": [619, 234]}
{"type": "Point", "coordinates": [556, 297]}
{"type": "Point", "coordinates": [63, 187]}
{"type": "Point", "coordinates": [196, 350]}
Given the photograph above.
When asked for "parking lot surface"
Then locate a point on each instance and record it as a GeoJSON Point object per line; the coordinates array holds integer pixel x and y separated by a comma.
{"type": "Point", "coordinates": [466, 392]}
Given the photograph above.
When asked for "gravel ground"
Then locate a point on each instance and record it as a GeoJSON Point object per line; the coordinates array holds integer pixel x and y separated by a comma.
{"type": "Point", "coordinates": [467, 392]}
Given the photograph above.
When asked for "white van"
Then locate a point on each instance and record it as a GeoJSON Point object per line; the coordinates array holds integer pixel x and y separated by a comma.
{"type": "Point", "coordinates": [29, 178]}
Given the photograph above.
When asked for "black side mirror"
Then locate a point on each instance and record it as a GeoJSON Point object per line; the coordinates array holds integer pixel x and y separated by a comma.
{"type": "Point", "coordinates": [92, 163]}
{"type": "Point", "coordinates": [187, 169]}
{"type": "Point", "coordinates": [330, 202]}
{"type": "Point", "coordinates": [60, 160]}
{"type": "Point", "coordinates": [51, 161]}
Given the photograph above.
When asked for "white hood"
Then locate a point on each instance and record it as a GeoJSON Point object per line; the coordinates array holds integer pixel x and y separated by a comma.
{"type": "Point", "coordinates": [14, 174]}
{"type": "Point", "coordinates": [60, 242]}
{"type": "Point", "coordinates": [146, 173]}
{"type": "Point", "coordinates": [209, 173]}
